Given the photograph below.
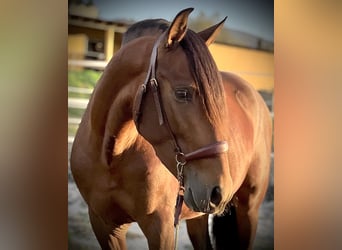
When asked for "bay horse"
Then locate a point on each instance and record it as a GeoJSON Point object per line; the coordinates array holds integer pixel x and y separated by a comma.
{"type": "Point", "coordinates": [164, 124]}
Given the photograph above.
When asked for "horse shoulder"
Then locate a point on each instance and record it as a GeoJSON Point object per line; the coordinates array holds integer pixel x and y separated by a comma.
{"type": "Point", "coordinates": [253, 106]}
{"type": "Point", "coordinates": [246, 98]}
{"type": "Point", "coordinates": [249, 127]}
{"type": "Point", "coordinates": [241, 107]}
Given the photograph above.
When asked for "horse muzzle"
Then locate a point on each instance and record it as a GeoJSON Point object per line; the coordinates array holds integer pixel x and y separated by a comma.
{"type": "Point", "coordinates": [210, 201]}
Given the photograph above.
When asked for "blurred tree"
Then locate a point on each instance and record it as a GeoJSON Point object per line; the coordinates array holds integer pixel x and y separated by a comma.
{"type": "Point", "coordinates": [81, 2]}
{"type": "Point", "coordinates": [202, 21]}
{"type": "Point", "coordinates": [89, 3]}
{"type": "Point", "coordinates": [76, 2]}
{"type": "Point", "coordinates": [84, 8]}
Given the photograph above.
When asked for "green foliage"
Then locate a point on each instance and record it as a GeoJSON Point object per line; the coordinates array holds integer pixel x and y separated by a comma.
{"type": "Point", "coordinates": [77, 113]}
{"type": "Point", "coordinates": [72, 128]}
{"type": "Point", "coordinates": [83, 78]}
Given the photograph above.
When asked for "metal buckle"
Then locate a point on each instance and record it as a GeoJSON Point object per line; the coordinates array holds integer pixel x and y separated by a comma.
{"type": "Point", "coordinates": [154, 83]}
{"type": "Point", "coordinates": [180, 158]}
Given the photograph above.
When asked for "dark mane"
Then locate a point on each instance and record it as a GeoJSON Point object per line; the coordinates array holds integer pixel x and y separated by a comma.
{"type": "Point", "coordinates": [145, 27]}
{"type": "Point", "coordinates": [206, 75]}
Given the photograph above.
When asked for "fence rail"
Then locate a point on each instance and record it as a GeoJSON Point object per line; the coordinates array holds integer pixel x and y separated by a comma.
{"type": "Point", "coordinates": [94, 64]}
{"type": "Point", "coordinates": [80, 90]}
{"type": "Point", "coordinates": [78, 103]}
{"type": "Point", "coordinates": [74, 120]}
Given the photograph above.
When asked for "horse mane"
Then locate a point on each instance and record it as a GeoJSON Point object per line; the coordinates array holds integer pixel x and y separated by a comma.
{"type": "Point", "coordinates": [206, 75]}
{"type": "Point", "coordinates": [201, 63]}
{"type": "Point", "coordinates": [145, 27]}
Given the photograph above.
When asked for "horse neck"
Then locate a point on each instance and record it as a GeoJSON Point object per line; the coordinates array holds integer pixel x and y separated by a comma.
{"type": "Point", "coordinates": [110, 108]}
{"type": "Point", "coordinates": [104, 103]}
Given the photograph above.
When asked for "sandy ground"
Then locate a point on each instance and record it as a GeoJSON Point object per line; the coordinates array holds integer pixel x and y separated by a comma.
{"type": "Point", "coordinates": [81, 236]}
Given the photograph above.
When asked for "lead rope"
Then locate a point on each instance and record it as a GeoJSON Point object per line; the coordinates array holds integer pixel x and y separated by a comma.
{"type": "Point", "coordinates": [180, 195]}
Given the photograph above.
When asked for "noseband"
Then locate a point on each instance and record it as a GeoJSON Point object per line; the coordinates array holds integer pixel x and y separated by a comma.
{"type": "Point", "coordinates": [181, 158]}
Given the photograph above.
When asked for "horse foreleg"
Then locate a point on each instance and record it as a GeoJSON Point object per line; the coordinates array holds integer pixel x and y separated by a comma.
{"type": "Point", "coordinates": [236, 229]}
{"type": "Point", "coordinates": [247, 220]}
{"type": "Point", "coordinates": [109, 237]}
{"type": "Point", "coordinates": [118, 237]}
{"type": "Point", "coordinates": [159, 231]}
{"type": "Point", "coordinates": [199, 233]}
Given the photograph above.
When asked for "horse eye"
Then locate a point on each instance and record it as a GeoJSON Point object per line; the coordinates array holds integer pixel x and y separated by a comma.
{"type": "Point", "coordinates": [183, 95]}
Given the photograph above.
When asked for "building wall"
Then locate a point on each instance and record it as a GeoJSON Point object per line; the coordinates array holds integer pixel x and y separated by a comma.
{"type": "Point", "coordinates": [117, 41]}
{"type": "Point", "coordinates": [93, 34]}
{"type": "Point", "coordinates": [77, 46]}
{"type": "Point", "coordinates": [255, 66]}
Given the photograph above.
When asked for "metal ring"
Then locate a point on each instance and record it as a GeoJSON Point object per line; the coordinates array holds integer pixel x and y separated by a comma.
{"type": "Point", "coordinates": [154, 81]}
{"type": "Point", "coordinates": [180, 158]}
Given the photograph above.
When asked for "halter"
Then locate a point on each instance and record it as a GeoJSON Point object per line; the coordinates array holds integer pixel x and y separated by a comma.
{"type": "Point", "coordinates": [181, 158]}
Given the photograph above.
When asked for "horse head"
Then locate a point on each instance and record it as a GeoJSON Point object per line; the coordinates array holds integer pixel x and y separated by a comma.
{"type": "Point", "coordinates": [180, 110]}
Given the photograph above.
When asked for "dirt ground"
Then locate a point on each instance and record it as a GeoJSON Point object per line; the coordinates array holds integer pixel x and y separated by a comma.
{"type": "Point", "coordinates": [81, 236]}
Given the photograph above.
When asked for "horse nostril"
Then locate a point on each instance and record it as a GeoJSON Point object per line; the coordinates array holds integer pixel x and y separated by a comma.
{"type": "Point", "coordinates": [216, 195]}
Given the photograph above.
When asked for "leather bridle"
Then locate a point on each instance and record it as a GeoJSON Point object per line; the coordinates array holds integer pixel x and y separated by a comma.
{"type": "Point", "coordinates": [181, 158]}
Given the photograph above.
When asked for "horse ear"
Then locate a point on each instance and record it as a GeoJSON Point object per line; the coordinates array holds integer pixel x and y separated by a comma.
{"type": "Point", "coordinates": [209, 35]}
{"type": "Point", "coordinates": [178, 27]}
